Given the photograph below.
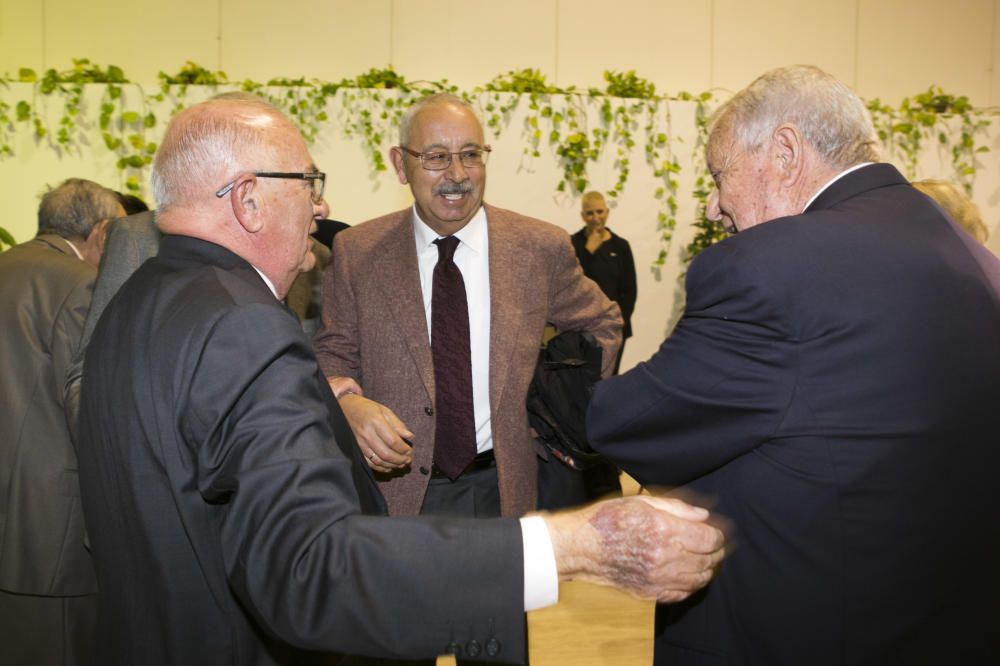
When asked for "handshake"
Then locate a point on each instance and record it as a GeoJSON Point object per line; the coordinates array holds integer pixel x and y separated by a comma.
{"type": "Point", "coordinates": [654, 547]}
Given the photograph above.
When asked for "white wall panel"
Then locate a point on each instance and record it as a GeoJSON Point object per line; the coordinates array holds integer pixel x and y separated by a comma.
{"type": "Point", "coordinates": [904, 46]}
{"type": "Point", "coordinates": [142, 37]}
{"type": "Point", "coordinates": [328, 40]}
{"type": "Point", "coordinates": [667, 42]}
{"type": "Point", "coordinates": [751, 37]}
{"type": "Point", "coordinates": [21, 36]}
{"type": "Point", "coordinates": [469, 42]}
{"type": "Point", "coordinates": [995, 60]}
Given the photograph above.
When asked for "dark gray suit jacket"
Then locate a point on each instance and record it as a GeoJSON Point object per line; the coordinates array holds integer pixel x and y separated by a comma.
{"type": "Point", "coordinates": [832, 389]}
{"type": "Point", "coordinates": [222, 490]}
{"type": "Point", "coordinates": [44, 294]}
{"type": "Point", "coordinates": [134, 239]}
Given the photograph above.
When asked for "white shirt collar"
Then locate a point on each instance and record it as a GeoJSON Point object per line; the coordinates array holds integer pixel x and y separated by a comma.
{"type": "Point", "coordinates": [73, 247]}
{"type": "Point", "coordinates": [263, 277]}
{"type": "Point", "coordinates": [832, 181]}
{"type": "Point", "coordinates": [473, 234]}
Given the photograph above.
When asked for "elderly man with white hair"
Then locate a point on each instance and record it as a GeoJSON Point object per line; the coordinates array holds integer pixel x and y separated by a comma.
{"type": "Point", "coordinates": [832, 385]}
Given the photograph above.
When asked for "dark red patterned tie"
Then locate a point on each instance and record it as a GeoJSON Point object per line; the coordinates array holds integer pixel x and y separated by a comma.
{"type": "Point", "coordinates": [455, 424]}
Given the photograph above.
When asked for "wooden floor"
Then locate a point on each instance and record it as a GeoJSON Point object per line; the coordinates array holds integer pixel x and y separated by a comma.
{"type": "Point", "coordinates": [590, 626]}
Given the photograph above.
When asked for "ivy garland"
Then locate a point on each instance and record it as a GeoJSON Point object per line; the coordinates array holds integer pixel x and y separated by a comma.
{"type": "Point", "coordinates": [628, 108]}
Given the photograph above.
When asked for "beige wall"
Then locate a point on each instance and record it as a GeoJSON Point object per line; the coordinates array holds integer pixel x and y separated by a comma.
{"type": "Point", "coordinates": [884, 48]}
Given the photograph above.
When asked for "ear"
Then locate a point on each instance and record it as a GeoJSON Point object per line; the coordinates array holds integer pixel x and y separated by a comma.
{"type": "Point", "coordinates": [245, 201]}
{"type": "Point", "coordinates": [789, 149]}
{"type": "Point", "coordinates": [396, 157]}
{"type": "Point", "coordinates": [98, 236]}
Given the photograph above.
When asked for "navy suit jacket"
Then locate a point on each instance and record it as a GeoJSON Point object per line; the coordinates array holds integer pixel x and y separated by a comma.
{"type": "Point", "coordinates": [831, 391]}
{"type": "Point", "coordinates": [223, 490]}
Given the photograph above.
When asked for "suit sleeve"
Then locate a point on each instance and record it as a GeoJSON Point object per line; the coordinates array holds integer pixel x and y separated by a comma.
{"type": "Point", "coordinates": [336, 342]}
{"type": "Point", "coordinates": [576, 303]}
{"type": "Point", "coordinates": [67, 352]}
{"type": "Point", "coordinates": [304, 563]}
{"type": "Point", "coordinates": [716, 389]}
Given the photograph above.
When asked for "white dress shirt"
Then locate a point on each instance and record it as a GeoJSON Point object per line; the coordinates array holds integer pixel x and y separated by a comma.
{"type": "Point", "coordinates": [473, 259]}
{"type": "Point", "coordinates": [541, 578]}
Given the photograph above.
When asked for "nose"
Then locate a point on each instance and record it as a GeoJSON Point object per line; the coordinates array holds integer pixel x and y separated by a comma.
{"type": "Point", "coordinates": [321, 211]}
{"type": "Point", "coordinates": [712, 210]}
{"type": "Point", "coordinates": [455, 170]}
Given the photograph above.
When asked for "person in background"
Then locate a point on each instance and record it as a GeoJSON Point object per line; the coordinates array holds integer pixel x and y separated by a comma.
{"type": "Point", "coordinates": [833, 386]}
{"type": "Point", "coordinates": [606, 259]}
{"type": "Point", "coordinates": [957, 204]}
{"type": "Point", "coordinates": [48, 590]}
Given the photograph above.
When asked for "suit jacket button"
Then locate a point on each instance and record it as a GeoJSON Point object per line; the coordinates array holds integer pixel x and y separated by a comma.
{"type": "Point", "coordinates": [429, 411]}
{"type": "Point", "coordinates": [424, 470]}
{"type": "Point", "coordinates": [472, 648]}
{"type": "Point", "coordinates": [492, 647]}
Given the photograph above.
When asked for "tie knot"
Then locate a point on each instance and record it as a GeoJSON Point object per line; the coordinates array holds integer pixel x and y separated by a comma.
{"type": "Point", "coordinates": [446, 247]}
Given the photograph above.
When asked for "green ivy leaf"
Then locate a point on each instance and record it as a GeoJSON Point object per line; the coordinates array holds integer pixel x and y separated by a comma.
{"type": "Point", "coordinates": [111, 142]}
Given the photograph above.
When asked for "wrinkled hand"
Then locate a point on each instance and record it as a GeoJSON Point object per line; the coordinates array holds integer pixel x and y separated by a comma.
{"type": "Point", "coordinates": [653, 547]}
{"type": "Point", "coordinates": [379, 433]}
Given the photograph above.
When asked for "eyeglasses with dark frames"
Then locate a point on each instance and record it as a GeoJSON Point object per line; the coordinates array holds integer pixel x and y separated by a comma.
{"type": "Point", "coordinates": [316, 178]}
{"type": "Point", "coordinates": [439, 160]}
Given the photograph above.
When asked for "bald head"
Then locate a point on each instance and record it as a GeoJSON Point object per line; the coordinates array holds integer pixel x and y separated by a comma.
{"type": "Point", "coordinates": [594, 211]}
{"type": "Point", "coordinates": [236, 172]}
{"type": "Point", "coordinates": [208, 143]}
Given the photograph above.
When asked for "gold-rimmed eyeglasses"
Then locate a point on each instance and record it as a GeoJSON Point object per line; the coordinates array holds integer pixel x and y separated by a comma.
{"type": "Point", "coordinates": [439, 160]}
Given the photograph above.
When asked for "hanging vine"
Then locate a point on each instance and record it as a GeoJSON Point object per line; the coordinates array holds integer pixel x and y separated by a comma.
{"type": "Point", "coordinates": [707, 232]}
{"type": "Point", "coordinates": [578, 127]}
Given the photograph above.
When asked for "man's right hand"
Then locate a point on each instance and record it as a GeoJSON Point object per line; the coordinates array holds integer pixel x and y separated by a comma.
{"type": "Point", "coordinates": [653, 547]}
{"type": "Point", "coordinates": [380, 434]}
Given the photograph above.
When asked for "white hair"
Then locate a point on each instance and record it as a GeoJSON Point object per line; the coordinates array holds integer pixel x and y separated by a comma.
{"type": "Point", "coordinates": [209, 142]}
{"type": "Point", "coordinates": [830, 116]}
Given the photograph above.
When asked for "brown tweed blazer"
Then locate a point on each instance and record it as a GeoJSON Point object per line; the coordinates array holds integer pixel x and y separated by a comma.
{"type": "Point", "coordinates": [374, 330]}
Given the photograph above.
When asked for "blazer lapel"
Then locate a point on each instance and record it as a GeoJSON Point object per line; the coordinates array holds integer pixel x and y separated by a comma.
{"type": "Point", "coordinates": [398, 278]}
{"type": "Point", "coordinates": [510, 279]}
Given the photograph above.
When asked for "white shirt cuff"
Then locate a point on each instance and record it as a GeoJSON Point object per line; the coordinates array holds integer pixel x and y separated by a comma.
{"type": "Point", "coordinates": [541, 578]}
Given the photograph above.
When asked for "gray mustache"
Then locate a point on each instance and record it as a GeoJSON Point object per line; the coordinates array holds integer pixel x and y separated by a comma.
{"type": "Point", "coordinates": [454, 188]}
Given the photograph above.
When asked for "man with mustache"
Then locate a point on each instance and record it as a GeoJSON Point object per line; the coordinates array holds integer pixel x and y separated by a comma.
{"type": "Point", "coordinates": [441, 415]}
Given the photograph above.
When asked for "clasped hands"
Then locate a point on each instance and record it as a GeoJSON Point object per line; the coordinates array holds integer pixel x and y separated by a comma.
{"type": "Point", "coordinates": [653, 547]}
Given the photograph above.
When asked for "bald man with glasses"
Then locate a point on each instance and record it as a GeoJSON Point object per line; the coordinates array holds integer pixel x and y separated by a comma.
{"type": "Point", "coordinates": [444, 372]}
